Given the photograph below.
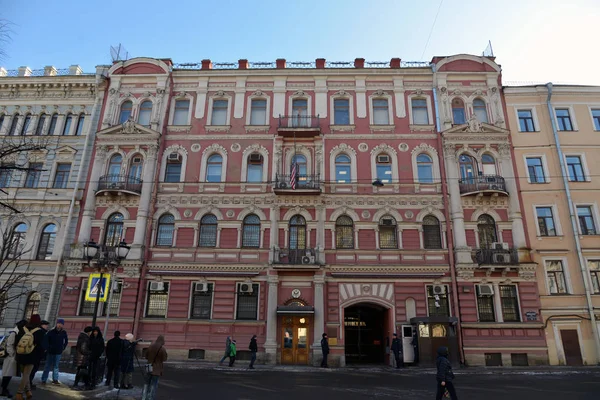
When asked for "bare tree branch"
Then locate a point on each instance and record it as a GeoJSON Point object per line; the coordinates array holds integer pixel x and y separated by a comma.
{"type": "Point", "coordinates": [5, 37]}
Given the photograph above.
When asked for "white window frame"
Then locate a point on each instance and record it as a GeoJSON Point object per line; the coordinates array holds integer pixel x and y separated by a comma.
{"type": "Point", "coordinates": [425, 97]}
{"type": "Point", "coordinates": [209, 151]}
{"type": "Point", "coordinates": [163, 165]}
{"type": "Point", "coordinates": [587, 259]}
{"type": "Point", "coordinates": [339, 96]}
{"type": "Point", "coordinates": [544, 167]}
{"type": "Point", "coordinates": [571, 115]}
{"type": "Point", "coordinates": [219, 96]}
{"type": "Point", "coordinates": [394, 162]}
{"type": "Point", "coordinates": [187, 97]}
{"type": "Point", "coordinates": [565, 272]}
{"type": "Point", "coordinates": [471, 107]}
{"type": "Point", "coordinates": [300, 96]}
{"type": "Point", "coordinates": [557, 225]}
{"type": "Point", "coordinates": [148, 281]}
{"type": "Point", "coordinates": [350, 152]}
{"type": "Point", "coordinates": [265, 166]}
{"type": "Point", "coordinates": [536, 124]}
{"type": "Point", "coordinates": [590, 108]}
{"type": "Point", "coordinates": [431, 152]}
{"type": "Point", "coordinates": [377, 96]}
{"type": "Point", "coordinates": [595, 216]}
{"type": "Point", "coordinates": [249, 109]}
{"type": "Point", "coordinates": [447, 296]}
{"type": "Point", "coordinates": [138, 107]}
{"type": "Point", "coordinates": [584, 166]}
{"type": "Point", "coordinates": [237, 289]}
{"type": "Point", "coordinates": [212, 301]}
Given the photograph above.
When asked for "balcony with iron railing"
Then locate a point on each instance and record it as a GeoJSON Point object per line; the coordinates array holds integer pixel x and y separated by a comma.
{"type": "Point", "coordinates": [299, 125]}
{"type": "Point", "coordinates": [494, 257]}
{"type": "Point", "coordinates": [117, 183]}
{"type": "Point", "coordinates": [301, 184]}
{"type": "Point", "coordinates": [300, 257]}
{"type": "Point", "coordinates": [482, 184]}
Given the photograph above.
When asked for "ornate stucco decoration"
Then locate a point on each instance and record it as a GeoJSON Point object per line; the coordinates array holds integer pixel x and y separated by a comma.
{"type": "Point", "coordinates": [383, 147]}
{"type": "Point", "coordinates": [343, 147]}
{"type": "Point", "coordinates": [129, 127]}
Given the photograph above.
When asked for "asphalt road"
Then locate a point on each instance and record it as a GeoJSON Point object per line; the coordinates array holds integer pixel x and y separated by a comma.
{"type": "Point", "coordinates": [187, 382]}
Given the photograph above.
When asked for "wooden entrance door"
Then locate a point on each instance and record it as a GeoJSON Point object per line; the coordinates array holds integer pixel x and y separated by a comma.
{"type": "Point", "coordinates": [570, 342]}
{"type": "Point", "coordinates": [295, 339]}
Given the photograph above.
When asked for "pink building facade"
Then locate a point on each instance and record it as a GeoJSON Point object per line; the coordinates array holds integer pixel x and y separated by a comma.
{"type": "Point", "coordinates": [289, 200]}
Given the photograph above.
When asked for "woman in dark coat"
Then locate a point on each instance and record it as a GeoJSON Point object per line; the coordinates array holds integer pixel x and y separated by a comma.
{"type": "Point", "coordinates": [83, 357]}
{"type": "Point", "coordinates": [127, 361]}
{"type": "Point", "coordinates": [97, 348]}
{"type": "Point", "coordinates": [27, 361]}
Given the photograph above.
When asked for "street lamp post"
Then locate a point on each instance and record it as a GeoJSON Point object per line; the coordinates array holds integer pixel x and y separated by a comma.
{"type": "Point", "coordinates": [104, 257]}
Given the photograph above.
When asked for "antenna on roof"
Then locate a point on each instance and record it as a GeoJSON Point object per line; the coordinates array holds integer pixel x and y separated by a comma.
{"type": "Point", "coordinates": [488, 52]}
{"type": "Point", "coordinates": [119, 53]}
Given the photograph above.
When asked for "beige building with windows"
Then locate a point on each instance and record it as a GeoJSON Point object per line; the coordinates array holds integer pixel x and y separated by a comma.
{"type": "Point", "coordinates": [556, 136]}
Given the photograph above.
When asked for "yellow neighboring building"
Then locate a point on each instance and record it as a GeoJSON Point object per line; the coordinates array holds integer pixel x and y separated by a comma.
{"type": "Point", "coordinates": [561, 205]}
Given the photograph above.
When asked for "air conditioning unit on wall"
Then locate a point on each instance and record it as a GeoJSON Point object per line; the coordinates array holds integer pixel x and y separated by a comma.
{"type": "Point", "coordinates": [499, 246]}
{"type": "Point", "coordinates": [201, 287]}
{"type": "Point", "coordinates": [157, 286]}
{"type": "Point", "coordinates": [308, 260]}
{"type": "Point", "coordinates": [246, 288]}
{"type": "Point", "coordinates": [485, 290]}
{"type": "Point", "coordinates": [501, 258]}
{"type": "Point", "coordinates": [439, 289]}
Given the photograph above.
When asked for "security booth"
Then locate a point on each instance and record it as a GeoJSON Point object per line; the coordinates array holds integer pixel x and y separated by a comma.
{"type": "Point", "coordinates": [433, 332]}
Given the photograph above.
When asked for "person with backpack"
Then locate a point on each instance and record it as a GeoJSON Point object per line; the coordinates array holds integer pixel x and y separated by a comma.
{"type": "Point", "coordinates": [114, 351]}
{"type": "Point", "coordinates": [41, 350]}
{"type": "Point", "coordinates": [253, 349]}
{"type": "Point", "coordinates": [57, 343]}
{"type": "Point", "coordinates": [9, 366]}
{"type": "Point", "coordinates": [232, 353]}
{"type": "Point", "coordinates": [82, 359]}
{"type": "Point", "coordinates": [29, 341]}
{"type": "Point", "coordinates": [156, 356]}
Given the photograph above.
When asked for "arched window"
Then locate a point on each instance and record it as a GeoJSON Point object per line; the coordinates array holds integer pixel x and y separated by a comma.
{"type": "Point", "coordinates": [173, 168]}
{"type": "Point", "coordinates": [255, 168]}
{"type": "Point", "coordinates": [80, 123]}
{"type": "Point", "coordinates": [480, 110]}
{"type": "Point", "coordinates": [33, 305]}
{"type": "Point", "coordinates": [13, 125]}
{"type": "Point", "coordinates": [458, 112]}
{"type": "Point", "coordinates": [40, 125]}
{"type": "Point", "coordinates": [208, 231]}
{"type": "Point", "coordinates": [213, 168]}
{"type": "Point", "coordinates": [251, 231]}
{"type": "Point", "coordinates": [344, 232]}
{"type": "Point", "coordinates": [165, 229]}
{"type": "Point", "coordinates": [114, 230]}
{"type": "Point", "coordinates": [300, 116]}
{"type": "Point", "coordinates": [135, 168]}
{"type": "Point", "coordinates": [47, 239]}
{"type": "Point", "coordinates": [489, 164]}
{"type": "Point", "coordinates": [384, 168]}
{"type": "Point", "coordinates": [297, 233]}
{"type": "Point", "coordinates": [145, 113]}
{"type": "Point", "coordinates": [468, 167]}
{"type": "Point", "coordinates": [53, 122]}
{"type": "Point", "coordinates": [17, 240]}
{"type": "Point", "coordinates": [114, 168]}
{"type": "Point", "coordinates": [388, 233]}
{"type": "Point", "coordinates": [26, 124]}
{"type": "Point", "coordinates": [425, 168]}
{"type": "Point", "coordinates": [1, 125]}
{"type": "Point", "coordinates": [486, 229]}
{"type": "Point", "coordinates": [343, 169]}
{"type": "Point", "coordinates": [432, 234]}
{"type": "Point", "coordinates": [381, 114]}
{"type": "Point", "coordinates": [125, 113]}
{"type": "Point", "coordinates": [68, 122]}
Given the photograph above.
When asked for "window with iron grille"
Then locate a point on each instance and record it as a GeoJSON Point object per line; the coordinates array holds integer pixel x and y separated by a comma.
{"type": "Point", "coordinates": [247, 303]}
{"type": "Point", "coordinates": [510, 303]}
{"type": "Point", "coordinates": [556, 277]}
{"type": "Point", "coordinates": [485, 307]}
{"type": "Point", "coordinates": [33, 305]}
{"type": "Point", "coordinates": [388, 233]}
{"type": "Point", "coordinates": [114, 230]}
{"type": "Point", "coordinates": [297, 229]}
{"type": "Point", "coordinates": [165, 230]}
{"type": "Point", "coordinates": [594, 268]}
{"type": "Point", "coordinates": [432, 234]}
{"type": "Point", "coordinates": [201, 302]}
{"type": "Point", "coordinates": [344, 233]}
{"type": "Point", "coordinates": [437, 304]}
{"type": "Point", "coordinates": [47, 239]}
{"type": "Point", "coordinates": [157, 301]}
{"type": "Point", "coordinates": [34, 172]}
{"type": "Point", "coordinates": [208, 231]}
{"type": "Point", "coordinates": [251, 232]}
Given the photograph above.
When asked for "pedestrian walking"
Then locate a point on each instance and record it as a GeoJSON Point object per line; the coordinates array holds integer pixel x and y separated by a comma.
{"type": "Point", "coordinates": [114, 351]}
{"type": "Point", "coordinates": [397, 350]}
{"type": "Point", "coordinates": [444, 376]}
{"type": "Point", "coordinates": [253, 349]}
{"type": "Point", "coordinates": [97, 348]}
{"type": "Point", "coordinates": [156, 356]}
{"type": "Point", "coordinates": [41, 350]}
{"type": "Point", "coordinates": [232, 352]}
{"type": "Point", "coordinates": [227, 346]}
{"type": "Point", "coordinates": [9, 366]}
{"type": "Point", "coordinates": [127, 361]}
{"type": "Point", "coordinates": [57, 340]}
{"type": "Point", "coordinates": [82, 359]}
{"type": "Point", "coordinates": [324, 350]}
{"type": "Point", "coordinates": [29, 341]}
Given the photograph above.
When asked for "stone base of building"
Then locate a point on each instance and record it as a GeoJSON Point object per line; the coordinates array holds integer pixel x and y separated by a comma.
{"type": "Point", "coordinates": [514, 358]}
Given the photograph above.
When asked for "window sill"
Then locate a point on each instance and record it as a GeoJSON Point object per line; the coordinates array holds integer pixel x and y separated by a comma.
{"type": "Point", "coordinates": [341, 128]}
{"type": "Point", "coordinates": [382, 128]}
{"type": "Point", "coordinates": [560, 237]}
{"type": "Point", "coordinates": [255, 128]}
{"type": "Point", "coordinates": [536, 131]}
{"type": "Point", "coordinates": [217, 128]}
{"type": "Point", "coordinates": [179, 128]}
{"type": "Point", "coordinates": [418, 127]}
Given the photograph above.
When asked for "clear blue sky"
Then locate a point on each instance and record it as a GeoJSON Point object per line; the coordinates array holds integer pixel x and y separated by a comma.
{"type": "Point", "coordinates": [533, 40]}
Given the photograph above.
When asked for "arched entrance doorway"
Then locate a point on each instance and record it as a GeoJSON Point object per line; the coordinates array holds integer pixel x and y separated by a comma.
{"type": "Point", "coordinates": [366, 327]}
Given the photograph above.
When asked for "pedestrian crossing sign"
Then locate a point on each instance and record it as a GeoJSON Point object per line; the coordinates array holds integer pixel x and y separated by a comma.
{"type": "Point", "coordinates": [95, 285]}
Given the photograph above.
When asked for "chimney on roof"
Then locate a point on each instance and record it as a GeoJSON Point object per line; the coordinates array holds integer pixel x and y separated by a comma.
{"type": "Point", "coordinates": [3, 71]}
{"type": "Point", "coordinates": [320, 63]}
{"type": "Point", "coordinates": [280, 62]}
{"type": "Point", "coordinates": [395, 63]}
{"type": "Point", "coordinates": [24, 71]}
{"type": "Point", "coordinates": [243, 64]}
{"type": "Point", "coordinates": [359, 63]}
{"type": "Point", "coordinates": [49, 70]}
{"type": "Point", "coordinates": [75, 70]}
{"type": "Point", "coordinates": [206, 64]}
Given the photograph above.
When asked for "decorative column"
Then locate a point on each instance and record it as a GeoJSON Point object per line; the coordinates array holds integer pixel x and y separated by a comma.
{"type": "Point", "coordinates": [319, 321]}
{"type": "Point", "coordinates": [271, 317]}
{"type": "Point", "coordinates": [462, 251]}
{"type": "Point", "coordinates": [274, 233]}
{"type": "Point", "coordinates": [320, 245]}
{"type": "Point", "coordinates": [144, 205]}
{"type": "Point", "coordinates": [89, 209]}
{"type": "Point", "coordinates": [498, 303]}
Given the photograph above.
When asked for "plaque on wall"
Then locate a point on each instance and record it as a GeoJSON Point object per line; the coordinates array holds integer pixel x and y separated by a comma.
{"type": "Point", "coordinates": [531, 316]}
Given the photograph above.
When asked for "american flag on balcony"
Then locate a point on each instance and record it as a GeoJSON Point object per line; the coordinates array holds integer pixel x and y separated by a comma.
{"type": "Point", "coordinates": [293, 175]}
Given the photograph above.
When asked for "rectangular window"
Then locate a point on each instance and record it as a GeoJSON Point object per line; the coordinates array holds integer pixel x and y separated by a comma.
{"type": "Point", "coordinates": [526, 121]}
{"type": "Point", "coordinates": [510, 303]}
{"type": "Point", "coordinates": [485, 307]}
{"type": "Point", "coordinates": [586, 220]}
{"type": "Point", "coordinates": [545, 221]}
{"type": "Point", "coordinates": [5, 175]}
{"type": "Point", "coordinates": [556, 277]}
{"type": "Point", "coordinates": [258, 112]}
{"type": "Point", "coordinates": [596, 119]}
{"type": "Point", "coordinates": [157, 299]}
{"type": "Point", "coordinates": [575, 169]}
{"type": "Point", "coordinates": [381, 114]}
{"type": "Point", "coordinates": [594, 268]}
{"type": "Point", "coordinates": [182, 109]}
{"type": "Point", "coordinates": [173, 172]}
{"type": "Point", "coordinates": [341, 112]}
{"type": "Point", "coordinates": [61, 177]}
{"type": "Point", "coordinates": [247, 302]}
{"type": "Point", "coordinates": [33, 175]}
{"type": "Point", "coordinates": [219, 112]}
{"type": "Point", "coordinates": [536, 170]}
{"type": "Point", "coordinates": [563, 118]}
{"type": "Point", "coordinates": [201, 301]}
{"type": "Point", "coordinates": [419, 111]}
{"type": "Point", "coordinates": [437, 303]}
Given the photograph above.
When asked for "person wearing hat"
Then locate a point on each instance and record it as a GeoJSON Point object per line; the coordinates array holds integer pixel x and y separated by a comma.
{"type": "Point", "coordinates": [26, 356]}
{"type": "Point", "coordinates": [57, 340]}
{"type": "Point", "coordinates": [83, 358]}
{"type": "Point", "coordinates": [44, 325]}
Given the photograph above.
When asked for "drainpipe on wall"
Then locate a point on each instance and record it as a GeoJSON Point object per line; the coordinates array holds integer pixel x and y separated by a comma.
{"type": "Point", "coordinates": [449, 239]}
{"type": "Point", "coordinates": [582, 264]}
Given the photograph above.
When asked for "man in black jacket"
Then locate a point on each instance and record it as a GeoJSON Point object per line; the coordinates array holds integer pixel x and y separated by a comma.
{"type": "Point", "coordinates": [57, 343]}
{"type": "Point", "coordinates": [253, 349]}
{"type": "Point", "coordinates": [324, 350]}
{"type": "Point", "coordinates": [83, 358]}
{"type": "Point", "coordinates": [397, 350]}
{"type": "Point", "coordinates": [114, 351]}
{"type": "Point", "coordinates": [444, 375]}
